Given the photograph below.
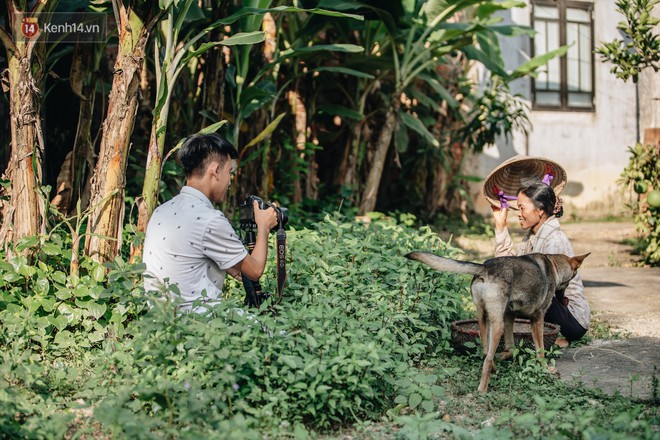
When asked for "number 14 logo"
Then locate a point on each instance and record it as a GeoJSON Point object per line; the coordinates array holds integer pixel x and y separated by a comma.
{"type": "Point", "coordinates": [30, 27]}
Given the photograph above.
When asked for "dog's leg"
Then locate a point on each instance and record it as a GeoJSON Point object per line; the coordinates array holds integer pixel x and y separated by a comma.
{"type": "Point", "coordinates": [508, 336]}
{"type": "Point", "coordinates": [537, 336]}
{"type": "Point", "coordinates": [483, 330]}
{"type": "Point", "coordinates": [495, 329]}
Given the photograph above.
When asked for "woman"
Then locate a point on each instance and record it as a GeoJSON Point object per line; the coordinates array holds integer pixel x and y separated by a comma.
{"type": "Point", "coordinates": [539, 210]}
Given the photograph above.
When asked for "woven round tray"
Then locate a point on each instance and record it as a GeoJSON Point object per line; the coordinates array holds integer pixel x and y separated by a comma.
{"type": "Point", "coordinates": [468, 331]}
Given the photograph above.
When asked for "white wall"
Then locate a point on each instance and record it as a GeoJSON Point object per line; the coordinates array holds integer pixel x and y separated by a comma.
{"type": "Point", "coordinates": [592, 147]}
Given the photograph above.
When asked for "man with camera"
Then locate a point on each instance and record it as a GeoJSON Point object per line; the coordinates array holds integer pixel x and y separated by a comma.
{"type": "Point", "coordinates": [191, 244]}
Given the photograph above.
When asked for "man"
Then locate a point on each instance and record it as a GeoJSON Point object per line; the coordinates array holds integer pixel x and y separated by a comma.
{"type": "Point", "coordinates": [192, 245]}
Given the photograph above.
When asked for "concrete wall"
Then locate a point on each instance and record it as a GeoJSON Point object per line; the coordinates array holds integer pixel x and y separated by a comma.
{"type": "Point", "coordinates": [592, 146]}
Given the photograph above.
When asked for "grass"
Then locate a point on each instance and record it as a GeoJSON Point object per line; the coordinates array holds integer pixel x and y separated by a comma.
{"type": "Point", "coordinates": [524, 401]}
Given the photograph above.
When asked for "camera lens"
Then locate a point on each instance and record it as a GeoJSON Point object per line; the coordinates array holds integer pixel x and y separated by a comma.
{"type": "Point", "coordinates": [282, 215]}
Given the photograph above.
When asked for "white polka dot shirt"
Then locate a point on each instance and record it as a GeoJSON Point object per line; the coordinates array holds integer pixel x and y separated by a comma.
{"type": "Point", "coordinates": [191, 244]}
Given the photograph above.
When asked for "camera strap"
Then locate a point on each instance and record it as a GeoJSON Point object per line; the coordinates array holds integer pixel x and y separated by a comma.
{"type": "Point", "coordinates": [281, 262]}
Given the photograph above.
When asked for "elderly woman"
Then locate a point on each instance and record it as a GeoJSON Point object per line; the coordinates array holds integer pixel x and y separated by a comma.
{"type": "Point", "coordinates": [539, 210]}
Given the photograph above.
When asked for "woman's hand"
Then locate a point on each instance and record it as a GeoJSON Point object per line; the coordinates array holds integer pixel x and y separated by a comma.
{"type": "Point", "coordinates": [499, 215]}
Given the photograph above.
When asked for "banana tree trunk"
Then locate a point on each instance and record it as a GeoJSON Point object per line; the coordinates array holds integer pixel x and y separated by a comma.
{"type": "Point", "coordinates": [370, 193]}
{"type": "Point", "coordinates": [150, 188]}
{"type": "Point", "coordinates": [73, 179]}
{"type": "Point", "coordinates": [24, 214]}
{"type": "Point", "coordinates": [104, 238]}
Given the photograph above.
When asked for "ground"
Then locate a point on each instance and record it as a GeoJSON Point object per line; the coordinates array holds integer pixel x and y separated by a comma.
{"type": "Point", "coordinates": [622, 296]}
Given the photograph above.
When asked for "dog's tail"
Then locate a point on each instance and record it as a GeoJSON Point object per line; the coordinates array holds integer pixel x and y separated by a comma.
{"type": "Point", "coordinates": [446, 264]}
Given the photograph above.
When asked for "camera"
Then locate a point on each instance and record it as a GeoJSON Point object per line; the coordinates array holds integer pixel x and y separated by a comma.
{"type": "Point", "coordinates": [246, 213]}
{"type": "Point", "coordinates": [254, 294]}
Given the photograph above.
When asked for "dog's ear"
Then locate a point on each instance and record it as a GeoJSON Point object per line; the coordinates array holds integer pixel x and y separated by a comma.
{"type": "Point", "coordinates": [576, 262]}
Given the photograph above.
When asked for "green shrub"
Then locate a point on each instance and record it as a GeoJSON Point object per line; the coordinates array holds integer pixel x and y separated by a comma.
{"type": "Point", "coordinates": [356, 317]}
{"type": "Point", "coordinates": [643, 175]}
{"type": "Point", "coordinates": [361, 338]}
{"type": "Point", "coordinates": [356, 320]}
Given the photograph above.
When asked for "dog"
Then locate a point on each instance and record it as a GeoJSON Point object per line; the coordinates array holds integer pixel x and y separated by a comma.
{"type": "Point", "coordinates": [505, 287]}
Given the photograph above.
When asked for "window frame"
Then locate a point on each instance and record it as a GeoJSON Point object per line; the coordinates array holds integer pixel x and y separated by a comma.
{"type": "Point", "coordinates": [562, 5]}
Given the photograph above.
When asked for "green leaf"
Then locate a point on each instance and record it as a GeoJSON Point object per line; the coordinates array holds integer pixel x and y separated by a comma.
{"type": "Point", "coordinates": [59, 322]}
{"type": "Point", "coordinates": [401, 399]}
{"type": "Point", "coordinates": [414, 400]}
{"type": "Point", "coordinates": [64, 338]}
{"type": "Point", "coordinates": [246, 12]}
{"type": "Point", "coordinates": [165, 4]}
{"type": "Point", "coordinates": [51, 249]}
{"type": "Point", "coordinates": [12, 277]}
{"type": "Point", "coordinates": [311, 341]}
{"type": "Point", "coordinates": [242, 38]}
{"type": "Point", "coordinates": [212, 128]}
{"type": "Point", "coordinates": [440, 90]}
{"type": "Point", "coordinates": [341, 111]}
{"type": "Point", "coordinates": [494, 65]}
{"type": "Point", "coordinates": [255, 97]}
{"type": "Point", "coordinates": [536, 62]}
{"type": "Point", "coordinates": [27, 242]}
{"type": "Point", "coordinates": [27, 270]}
{"type": "Point", "coordinates": [270, 128]}
{"type": "Point", "coordinates": [42, 285]}
{"type": "Point", "coordinates": [289, 361]}
{"type": "Point", "coordinates": [344, 70]}
{"type": "Point", "coordinates": [428, 406]}
{"type": "Point", "coordinates": [487, 9]}
{"type": "Point", "coordinates": [98, 273]}
{"type": "Point", "coordinates": [342, 47]}
{"type": "Point", "coordinates": [416, 125]}
{"type": "Point", "coordinates": [401, 138]}
{"type": "Point", "coordinates": [96, 310]}
{"type": "Point", "coordinates": [31, 303]}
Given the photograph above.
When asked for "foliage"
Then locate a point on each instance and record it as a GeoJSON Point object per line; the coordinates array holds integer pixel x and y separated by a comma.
{"type": "Point", "coordinates": [643, 176]}
{"type": "Point", "coordinates": [361, 339]}
{"type": "Point", "coordinates": [640, 47]}
{"type": "Point", "coordinates": [537, 407]}
{"type": "Point", "coordinates": [343, 60]}
{"type": "Point", "coordinates": [355, 324]}
{"type": "Point", "coordinates": [53, 326]}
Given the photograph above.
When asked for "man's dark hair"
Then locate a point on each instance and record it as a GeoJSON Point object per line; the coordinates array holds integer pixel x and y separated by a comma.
{"type": "Point", "coordinates": [199, 150]}
{"type": "Point", "coordinates": [544, 198]}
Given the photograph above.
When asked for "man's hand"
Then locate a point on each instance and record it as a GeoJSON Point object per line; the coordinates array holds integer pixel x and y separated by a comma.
{"type": "Point", "coordinates": [265, 219]}
{"type": "Point", "coordinates": [499, 215]}
{"type": "Point", "coordinates": [253, 265]}
{"type": "Point", "coordinates": [235, 272]}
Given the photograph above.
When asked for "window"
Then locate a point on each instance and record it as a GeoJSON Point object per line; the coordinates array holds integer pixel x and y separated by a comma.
{"type": "Point", "coordinates": [568, 82]}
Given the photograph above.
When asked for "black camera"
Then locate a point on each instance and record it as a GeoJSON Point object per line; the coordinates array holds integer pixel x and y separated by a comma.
{"type": "Point", "coordinates": [246, 213]}
{"type": "Point", "coordinates": [254, 294]}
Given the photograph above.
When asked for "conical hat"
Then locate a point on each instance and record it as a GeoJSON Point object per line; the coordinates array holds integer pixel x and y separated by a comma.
{"type": "Point", "coordinates": [504, 182]}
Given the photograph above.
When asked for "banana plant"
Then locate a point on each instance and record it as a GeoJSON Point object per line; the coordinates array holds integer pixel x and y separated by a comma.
{"type": "Point", "coordinates": [174, 49]}
{"type": "Point", "coordinates": [436, 29]}
{"type": "Point", "coordinates": [135, 20]}
{"type": "Point", "coordinates": [253, 93]}
{"type": "Point", "coordinates": [173, 52]}
{"type": "Point", "coordinates": [24, 214]}
{"type": "Point", "coordinates": [301, 40]}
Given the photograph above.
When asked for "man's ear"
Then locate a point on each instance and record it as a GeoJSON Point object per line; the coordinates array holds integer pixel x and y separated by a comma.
{"type": "Point", "coordinates": [213, 168]}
